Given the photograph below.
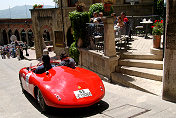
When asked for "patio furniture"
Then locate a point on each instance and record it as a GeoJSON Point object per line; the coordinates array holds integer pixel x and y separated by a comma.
{"type": "Point", "coordinates": [146, 23]}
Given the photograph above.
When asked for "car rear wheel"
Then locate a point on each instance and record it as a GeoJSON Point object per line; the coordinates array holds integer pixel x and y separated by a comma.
{"type": "Point", "coordinates": [41, 101]}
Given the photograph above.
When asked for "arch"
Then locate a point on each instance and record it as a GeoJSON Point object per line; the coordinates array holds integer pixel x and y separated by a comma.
{"type": "Point", "coordinates": [16, 33]}
{"type": "Point", "coordinates": [5, 39]}
{"type": "Point", "coordinates": [23, 36]}
{"type": "Point", "coordinates": [30, 38]}
{"type": "Point", "coordinates": [46, 35]}
{"type": "Point", "coordinates": [70, 38]}
{"type": "Point", "coordinates": [10, 34]}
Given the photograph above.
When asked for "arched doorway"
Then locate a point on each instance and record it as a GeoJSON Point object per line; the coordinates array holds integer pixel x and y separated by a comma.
{"type": "Point", "coordinates": [23, 36]}
{"type": "Point", "coordinates": [17, 35]}
{"type": "Point", "coordinates": [70, 39]}
{"type": "Point", "coordinates": [5, 40]}
{"type": "Point", "coordinates": [30, 38]}
{"type": "Point", "coordinates": [10, 34]}
{"type": "Point", "coordinates": [46, 35]}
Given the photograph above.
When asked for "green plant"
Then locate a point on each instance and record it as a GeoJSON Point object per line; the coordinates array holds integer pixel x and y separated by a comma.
{"type": "Point", "coordinates": [34, 6]}
{"type": "Point", "coordinates": [157, 27]}
{"type": "Point", "coordinates": [159, 7]}
{"type": "Point", "coordinates": [37, 6]}
{"type": "Point", "coordinates": [74, 52]}
{"type": "Point", "coordinates": [78, 23]}
{"type": "Point", "coordinates": [97, 7]}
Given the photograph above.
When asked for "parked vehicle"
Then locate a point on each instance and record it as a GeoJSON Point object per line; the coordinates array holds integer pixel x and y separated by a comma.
{"type": "Point", "coordinates": [62, 87]}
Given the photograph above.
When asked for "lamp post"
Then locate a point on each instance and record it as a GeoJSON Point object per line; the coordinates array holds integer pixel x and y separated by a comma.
{"type": "Point", "coordinates": [132, 2]}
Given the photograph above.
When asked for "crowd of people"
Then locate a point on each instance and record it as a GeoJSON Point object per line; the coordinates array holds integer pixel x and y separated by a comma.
{"type": "Point", "coordinates": [13, 50]}
{"type": "Point", "coordinates": [120, 20]}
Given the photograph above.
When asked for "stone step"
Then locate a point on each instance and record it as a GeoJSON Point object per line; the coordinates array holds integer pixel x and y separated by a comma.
{"type": "Point", "coordinates": [142, 56]}
{"type": "Point", "coordinates": [151, 64]}
{"type": "Point", "coordinates": [142, 84]}
{"type": "Point", "coordinates": [152, 74]}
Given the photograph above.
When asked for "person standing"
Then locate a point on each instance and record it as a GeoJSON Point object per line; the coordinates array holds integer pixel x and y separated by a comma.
{"type": "Point", "coordinates": [26, 48]}
{"type": "Point", "coordinates": [21, 52]}
{"type": "Point", "coordinates": [124, 18]}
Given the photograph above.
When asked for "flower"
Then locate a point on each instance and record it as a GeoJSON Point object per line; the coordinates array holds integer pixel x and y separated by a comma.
{"type": "Point", "coordinates": [157, 28]}
{"type": "Point", "coordinates": [37, 6]}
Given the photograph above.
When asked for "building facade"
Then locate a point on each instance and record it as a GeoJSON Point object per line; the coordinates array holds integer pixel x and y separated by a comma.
{"type": "Point", "coordinates": [53, 25]}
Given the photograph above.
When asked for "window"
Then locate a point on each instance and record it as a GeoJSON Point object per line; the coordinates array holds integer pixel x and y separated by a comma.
{"type": "Point", "coordinates": [128, 1]}
{"type": "Point", "coordinates": [71, 3]}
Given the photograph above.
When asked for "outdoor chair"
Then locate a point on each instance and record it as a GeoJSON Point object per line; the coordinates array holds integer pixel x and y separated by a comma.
{"type": "Point", "coordinates": [122, 35]}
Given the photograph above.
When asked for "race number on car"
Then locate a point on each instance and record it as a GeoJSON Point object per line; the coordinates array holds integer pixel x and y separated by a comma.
{"type": "Point", "coordinates": [82, 93]}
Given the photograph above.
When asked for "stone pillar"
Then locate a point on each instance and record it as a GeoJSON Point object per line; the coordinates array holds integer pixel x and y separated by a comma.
{"type": "Point", "coordinates": [169, 80]}
{"type": "Point", "coordinates": [109, 37]}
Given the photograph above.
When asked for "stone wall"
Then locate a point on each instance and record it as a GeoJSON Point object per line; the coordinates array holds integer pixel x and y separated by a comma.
{"type": "Point", "coordinates": [136, 10]}
{"type": "Point", "coordinates": [98, 62]}
{"type": "Point", "coordinates": [42, 18]}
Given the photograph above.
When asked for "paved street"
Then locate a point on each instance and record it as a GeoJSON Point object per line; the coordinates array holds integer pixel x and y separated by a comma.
{"type": "Point", "coordinates": [119, 101]}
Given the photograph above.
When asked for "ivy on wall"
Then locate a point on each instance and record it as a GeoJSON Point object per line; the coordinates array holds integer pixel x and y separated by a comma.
{"type": "Point", "coordinates": [159, 7]}
{"type": "Point", "coordinates": [78, 24]}
{"type": "Point", "coordinates": [98, 7]}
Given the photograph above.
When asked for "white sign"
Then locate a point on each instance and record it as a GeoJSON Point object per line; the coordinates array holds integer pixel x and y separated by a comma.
{"type": "Point", "coordinates": [82, 93]}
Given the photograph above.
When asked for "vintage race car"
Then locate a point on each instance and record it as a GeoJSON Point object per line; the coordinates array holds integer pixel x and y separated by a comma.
{"type": "Point", "coordinates": [62, 87]}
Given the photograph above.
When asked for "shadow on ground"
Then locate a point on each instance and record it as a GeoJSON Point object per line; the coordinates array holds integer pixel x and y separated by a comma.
{"type": "Point", "coordinates": [97, 108]}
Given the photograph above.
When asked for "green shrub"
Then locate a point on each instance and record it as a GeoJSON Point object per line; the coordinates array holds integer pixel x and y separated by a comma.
{"type": "Point", "coordinates": [97, 7]}
{"type": "Point", "coordinates": [78, 23]}
{"type": "Point", "coordinates": [74, 52]}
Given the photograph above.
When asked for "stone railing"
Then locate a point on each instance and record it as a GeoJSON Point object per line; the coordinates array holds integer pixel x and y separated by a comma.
{"type": "Point", "coordinates": [95, 36]}
{"type": "Point", "coordinates": [102, 63]}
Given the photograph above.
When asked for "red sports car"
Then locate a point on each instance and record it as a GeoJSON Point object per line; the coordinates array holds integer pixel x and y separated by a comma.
{"type": "Point", "coordinates": [62, 87]}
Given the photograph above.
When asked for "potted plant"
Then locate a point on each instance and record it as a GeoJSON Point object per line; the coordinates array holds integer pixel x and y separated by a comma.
{"type": "Point", "coordinates": [157, 31]}
{"type": "Point", "coordinates": [40, 6]}
{"type": "Point", "coordinates": [37, 6]}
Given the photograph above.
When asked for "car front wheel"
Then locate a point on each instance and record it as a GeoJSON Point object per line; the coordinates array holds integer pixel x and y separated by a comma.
{"type": "Point", "coordinates": [41, 101]}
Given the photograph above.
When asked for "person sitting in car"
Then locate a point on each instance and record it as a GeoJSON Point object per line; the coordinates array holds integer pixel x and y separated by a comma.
{"type": "Point", "coordinates": [45, 66]}
{"type": "Point", "coordinates": [67, 61]}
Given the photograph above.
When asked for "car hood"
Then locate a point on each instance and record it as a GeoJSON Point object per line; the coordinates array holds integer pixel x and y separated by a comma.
{"type": "Point", "coordinates": [63, 81]}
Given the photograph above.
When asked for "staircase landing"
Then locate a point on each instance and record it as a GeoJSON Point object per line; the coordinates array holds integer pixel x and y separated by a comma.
{"type": "Point", "coordinates": [140, 67]}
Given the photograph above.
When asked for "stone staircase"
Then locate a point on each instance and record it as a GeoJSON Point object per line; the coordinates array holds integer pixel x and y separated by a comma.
{"type": "Point", "coordinates": [140, 71]}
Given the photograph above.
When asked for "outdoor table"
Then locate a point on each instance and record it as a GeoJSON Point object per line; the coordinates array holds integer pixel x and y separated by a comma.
{"type": "Point", "coordinates": [146, 30]}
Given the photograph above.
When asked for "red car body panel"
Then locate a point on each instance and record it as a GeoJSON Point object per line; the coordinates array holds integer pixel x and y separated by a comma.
{"type": "Point", "coordinates": [59, 85]}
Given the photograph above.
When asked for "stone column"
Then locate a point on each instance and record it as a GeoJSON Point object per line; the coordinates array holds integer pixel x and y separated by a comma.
{"type": "Point", "coordinates": [109, 37]}
{"type": "Point", "coordinates": [169, 80]}
{"type": "Point", "coordinates": [37, 34]}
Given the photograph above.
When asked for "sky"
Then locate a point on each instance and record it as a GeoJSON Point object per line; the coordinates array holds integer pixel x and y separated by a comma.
{"type": "Point", "coordinates": [5, 4]}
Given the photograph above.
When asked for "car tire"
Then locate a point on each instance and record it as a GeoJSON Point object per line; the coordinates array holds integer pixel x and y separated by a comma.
{"type": "Point", "coordinates": [21, 84]}
{"type": "Point", "coordinates": [41, 101]}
